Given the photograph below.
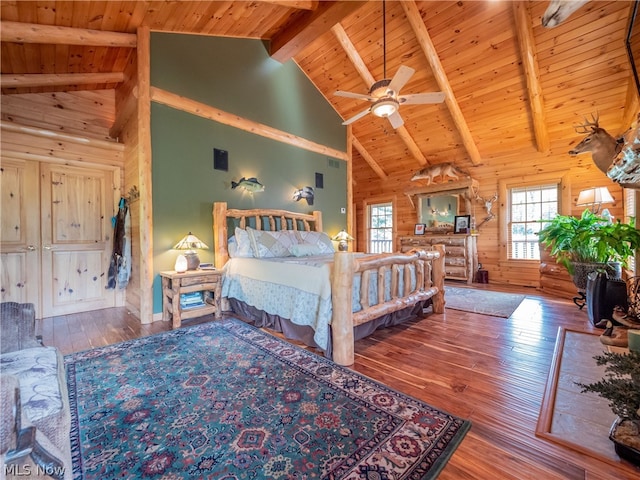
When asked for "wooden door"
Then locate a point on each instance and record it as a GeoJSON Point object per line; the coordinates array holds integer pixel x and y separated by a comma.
{"type": "Point", "coordinates": [20, 232]}
{"type": "Point", "coordinates": [77, 206]}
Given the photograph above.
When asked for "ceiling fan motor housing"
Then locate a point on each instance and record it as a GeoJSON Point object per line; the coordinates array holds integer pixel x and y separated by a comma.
{"type": "Point", "coordinates": [379, 90]}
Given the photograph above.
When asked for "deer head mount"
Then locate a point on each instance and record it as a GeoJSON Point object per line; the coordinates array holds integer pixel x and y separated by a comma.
{"type": "Point", "coordinates": [603, 147]}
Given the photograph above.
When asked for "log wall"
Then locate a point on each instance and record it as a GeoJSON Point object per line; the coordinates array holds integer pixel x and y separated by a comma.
{"type": "Point", "coordinates": [517, 165]}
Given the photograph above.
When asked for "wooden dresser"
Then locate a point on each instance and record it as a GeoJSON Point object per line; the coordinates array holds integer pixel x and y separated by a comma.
{"type": "Point", "coordinates": [461, 260]}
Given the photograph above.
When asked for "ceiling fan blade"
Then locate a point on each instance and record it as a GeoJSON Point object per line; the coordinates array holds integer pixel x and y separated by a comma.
{"type": "Point", "coordinates": [359, 96]}
{"type": "Point", "coordinates": [396, 120]}
{"type": "Point", "coordinates": [356, 117]}
{"type": "Point", "coordinates": [401, 77]}
{"type": "Point", "coordinates": [416, 98]}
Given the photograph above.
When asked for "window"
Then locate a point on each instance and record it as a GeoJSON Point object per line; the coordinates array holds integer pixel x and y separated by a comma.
{"type": "Point", "coordinates": [380, 228]}
{"type": "Point", "coordinates": [629, 213]}
{"type": "Point", "coordinates": [527, 206]}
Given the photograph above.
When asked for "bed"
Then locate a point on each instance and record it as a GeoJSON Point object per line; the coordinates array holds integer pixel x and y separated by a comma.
{"type": "Point", "coordinates": [350, 294]}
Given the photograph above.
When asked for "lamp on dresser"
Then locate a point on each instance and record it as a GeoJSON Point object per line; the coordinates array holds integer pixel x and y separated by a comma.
{"type": "Point", "coordinates": [342, 237]}
{"type": "Point", "coordinates": [189, 243]}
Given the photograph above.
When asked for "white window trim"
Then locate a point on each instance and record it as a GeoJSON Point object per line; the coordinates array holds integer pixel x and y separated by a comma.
{"type": "Point", "coordinates": [505, 185]}
{"type": "Point", "coordinates": [365, 211]}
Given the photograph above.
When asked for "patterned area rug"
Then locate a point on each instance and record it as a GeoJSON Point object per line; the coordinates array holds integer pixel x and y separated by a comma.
{"type": "Point", "coordinates": [224, 400]}
{"type": "Point", "coordinates": [486, 302]}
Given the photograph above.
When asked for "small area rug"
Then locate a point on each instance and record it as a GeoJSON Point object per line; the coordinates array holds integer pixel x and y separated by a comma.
{"type": "Point", "coordinates": [224, 400]}
{"type": "Point", "coordinates": [486, 302]}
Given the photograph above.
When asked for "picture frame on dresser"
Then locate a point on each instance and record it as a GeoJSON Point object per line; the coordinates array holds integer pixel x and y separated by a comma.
{"type": "Point", "coordinates": [461, 224]}
{"type": "Point", "coordinates": [419, 229]}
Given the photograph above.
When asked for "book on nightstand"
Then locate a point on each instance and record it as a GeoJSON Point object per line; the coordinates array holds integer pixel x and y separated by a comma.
{"type": "Point", "coordinates": [191, 300]}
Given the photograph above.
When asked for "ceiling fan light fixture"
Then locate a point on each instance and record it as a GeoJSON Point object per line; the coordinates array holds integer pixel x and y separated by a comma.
{"type": "Point", "coordinates": [385, 107]}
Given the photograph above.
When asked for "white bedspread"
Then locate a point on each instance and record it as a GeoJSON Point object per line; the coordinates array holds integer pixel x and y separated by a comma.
{"type": "Point", "coordinates": [295, 288]}
{"type": "Point", "coordinates": [298, 289]}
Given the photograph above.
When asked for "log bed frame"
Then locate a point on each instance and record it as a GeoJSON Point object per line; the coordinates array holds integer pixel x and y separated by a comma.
{"type": "Point", "coordinates": [429, 266]}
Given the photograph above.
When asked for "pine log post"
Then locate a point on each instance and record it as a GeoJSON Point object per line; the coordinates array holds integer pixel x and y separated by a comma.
{"type": "Point", "coordinates": [438, 279]}
{"type": "Point", "coordinates": [342, 320]}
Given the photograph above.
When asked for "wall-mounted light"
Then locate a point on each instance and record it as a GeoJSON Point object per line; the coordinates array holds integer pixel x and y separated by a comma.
{"type": "Point", "coordinates": [190, 259]}
{"type": "Point", "coordinates": [594, 198]}
{"type": "Point", "coordinates": [342, 237]}
{"type": "Point", "coordinates": [304, 192]}
{"type": "Point", "coordinates": [251, 185]}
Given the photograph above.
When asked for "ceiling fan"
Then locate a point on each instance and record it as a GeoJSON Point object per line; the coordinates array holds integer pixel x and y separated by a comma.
{"type": "Point", "coordinates": [384, 95]}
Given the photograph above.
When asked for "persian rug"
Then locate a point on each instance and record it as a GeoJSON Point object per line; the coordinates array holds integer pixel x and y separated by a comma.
{"type": "Point", "coordinates": [486, 302]}
{"type": "Point", "coordinates": [224, 400]}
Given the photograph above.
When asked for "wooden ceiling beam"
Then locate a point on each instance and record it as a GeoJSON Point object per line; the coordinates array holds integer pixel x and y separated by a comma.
{"type": "Point", "coordinates": [631, 106]}
{"type": "Point", "coordinates": [51, 34]}
{"type": "Point", "coordinates": [297, 4]}
{"type": "Point", "coordinates": [351, 51]}
{"type": "Point", "coordinates": [529, 55]}
{"type": "Point", "coordinates": [58, 79]}
{"type": "Point", "coordinates": [424, 39]}
{"type": "Point", "coordinates": [369, 159]}
{"type": "Point", "coordinates": [311, 25]}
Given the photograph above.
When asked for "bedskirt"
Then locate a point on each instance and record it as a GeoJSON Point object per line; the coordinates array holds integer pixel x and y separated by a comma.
{"type": "Point", "coordinates": [305, 334]}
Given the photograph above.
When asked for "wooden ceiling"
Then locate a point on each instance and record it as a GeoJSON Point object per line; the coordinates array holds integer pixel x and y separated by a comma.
{"type": "Point", "coordinates": [511, 84]}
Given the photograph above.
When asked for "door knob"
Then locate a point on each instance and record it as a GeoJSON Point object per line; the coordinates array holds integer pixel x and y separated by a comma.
{"type": "Point", "coordinates": [31, 248]}
{"type": "Point", "coordinates": [47, 247]}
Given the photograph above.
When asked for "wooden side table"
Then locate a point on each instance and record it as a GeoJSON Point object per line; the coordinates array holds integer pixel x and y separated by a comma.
{"type": "Point", "coordinates": [174, 284]}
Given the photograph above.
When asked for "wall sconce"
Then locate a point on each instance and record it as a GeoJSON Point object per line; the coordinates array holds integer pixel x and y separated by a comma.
{"type": "Point", "coordinates": [304, 192]}
{"type": "Point", "coordinates": [594, 198]}
{"type": "Point", "coordinates": [251, 185]}
{"type": "Point", "coordinates": [190, 260]}
{"type": "Point", "coordinates": [342, 237]}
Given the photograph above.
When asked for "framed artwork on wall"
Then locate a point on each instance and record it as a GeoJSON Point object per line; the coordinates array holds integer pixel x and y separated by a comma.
{"type": "Point", "coordinates": [461, 224]}
{"type": "Point", "coordinates": [419, 229]}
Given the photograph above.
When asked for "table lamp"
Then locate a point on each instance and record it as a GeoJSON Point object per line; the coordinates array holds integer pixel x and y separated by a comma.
{"type": "Point", "coordinates": [342, 238]}
{"type": "Point", "coordinates": [594, 198]}
{"type": "Point", "coordinates": [189, 243]}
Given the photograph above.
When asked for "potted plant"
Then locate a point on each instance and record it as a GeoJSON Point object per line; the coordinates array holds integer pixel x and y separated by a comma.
{"type": "Point", "coordinates": [589, 243]}
{"type": "Point", "coordinates": [621, 387]}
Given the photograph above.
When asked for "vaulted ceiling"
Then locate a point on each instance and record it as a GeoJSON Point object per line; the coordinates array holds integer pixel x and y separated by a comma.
{"type": "Point", "coordinates": [511, 85]}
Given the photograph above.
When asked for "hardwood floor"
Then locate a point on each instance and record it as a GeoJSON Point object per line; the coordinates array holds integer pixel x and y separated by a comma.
{"type": "Point", "coordinates": [490, 370]}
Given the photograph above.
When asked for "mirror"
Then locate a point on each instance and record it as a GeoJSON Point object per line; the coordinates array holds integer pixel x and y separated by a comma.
{"type": "Point", "coordinates": [437, 212]}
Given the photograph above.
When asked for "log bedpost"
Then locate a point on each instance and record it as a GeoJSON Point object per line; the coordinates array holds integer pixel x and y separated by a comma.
{"type": "Point", "coordinates": [221, 254]}
{"type": "Point", "coordinates": [342, 319]}
{"type": "Point", "coordinates": [438, 279]}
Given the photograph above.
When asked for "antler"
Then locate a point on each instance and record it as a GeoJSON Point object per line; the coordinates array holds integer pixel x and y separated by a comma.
{"type": "Point", "coordinates": [587, 126]}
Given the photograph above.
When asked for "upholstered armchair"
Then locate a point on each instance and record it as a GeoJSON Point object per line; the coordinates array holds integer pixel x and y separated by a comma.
{"type": "Point", "coordinates": [35, 418]}
{"type": "Point", "coordinates": [17, 327]}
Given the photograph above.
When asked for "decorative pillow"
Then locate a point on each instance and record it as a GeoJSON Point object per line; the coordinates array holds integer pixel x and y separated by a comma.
{"type": "Point", "coordinates": [320, 239]}
{"type": "Point", "coordinates": [240, 245]}
{"type": "Point", "coordinates": [266, 244]}
{"type": "Point", "coordinates": [304, 250]}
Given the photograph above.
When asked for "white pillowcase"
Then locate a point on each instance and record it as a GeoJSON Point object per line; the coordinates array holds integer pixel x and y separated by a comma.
{"type": "Point", "coordinates": [240, 245]}
{"type": "Point", "coordinates": [304, 250]}
{"type": "Point", "coordinates": [321, 239]}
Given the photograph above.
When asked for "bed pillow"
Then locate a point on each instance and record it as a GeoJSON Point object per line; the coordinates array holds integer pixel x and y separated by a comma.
{"type": "Point", "coordinates": [240, 245]}
{"type": "Point", "coordinates": [266, 244]}
{"type": "Point", "coordinates": [304, 250]}
{"type": "Point", "coordinates": [320, 239]}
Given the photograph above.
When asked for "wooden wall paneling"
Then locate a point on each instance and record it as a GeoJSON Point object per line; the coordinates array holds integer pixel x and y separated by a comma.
{"type": "Point", "coordinates": [144, 174]}
{"type": "Point", "coordinates": [86, 113]}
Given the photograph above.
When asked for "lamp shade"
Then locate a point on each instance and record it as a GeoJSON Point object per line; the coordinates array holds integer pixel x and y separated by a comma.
{"type": "Point", "coordinates": [594, 196]}
{"type": "Point", "coordinates": [342, 237]}
{"type": "Point", "coordinates": [190, 242]}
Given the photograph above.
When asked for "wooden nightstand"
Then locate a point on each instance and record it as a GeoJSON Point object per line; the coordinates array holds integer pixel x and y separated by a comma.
{"type": "Point", "coordinates": [174, 284]}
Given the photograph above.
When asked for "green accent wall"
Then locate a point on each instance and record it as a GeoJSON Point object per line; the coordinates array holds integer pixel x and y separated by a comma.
{"type": "Point", "coordinates": [237, 76]}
